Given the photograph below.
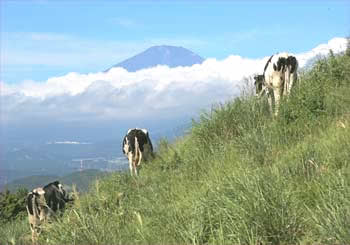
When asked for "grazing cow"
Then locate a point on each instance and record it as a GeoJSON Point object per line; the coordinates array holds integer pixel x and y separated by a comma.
{"type": "Point", "coordinates": [44, 202]}
{"type": "Point", "coordinates": [280, 73]}
{"type": "Point", "coordinates": [137, 146]}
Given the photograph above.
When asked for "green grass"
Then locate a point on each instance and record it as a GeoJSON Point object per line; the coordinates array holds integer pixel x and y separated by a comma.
{"type": "Point", "coordinates": [238, 176]}
{"type": "Point", "coordinates": [15, 233]}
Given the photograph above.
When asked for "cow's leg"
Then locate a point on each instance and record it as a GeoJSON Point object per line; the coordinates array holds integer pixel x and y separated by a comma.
{"type": "Point", "coordinates": [135, 166]}
{"type": "Point", "coordinates": [140, 159]}
{"type": "Point", "coordinates": [34, 237]}
{"type": "Point", "coordinates": [130, 158]}
{"type": "Point", "coordinates": [132, 163]}
{"type": "Point", "coordinates": [33, 234]}
{"type": "Point", "coordinates": [292, 80]}
{"type": "Point", "coordinates": [138, 155]}
{"type": "Point", "coordinates": [261, 93]}
{"type": "Point", "coordinates": [270, 99]}
{"type": "Point", "coordinates": [34, 219]}
{"type": "Point", "coordinates": [286, 82]}
{"type": "Point", "coordinates": [137, 160]}
{"type": "Point", "coordinates": [277, 92]}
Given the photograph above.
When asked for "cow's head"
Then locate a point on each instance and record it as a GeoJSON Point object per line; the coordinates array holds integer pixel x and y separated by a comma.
{"type": "Point", "coordinates": [259, 81]}
{"type": "Point", "coordinates": [64, 193]}
{"type": "Point", "coordinates": [60, 191]}
{"type": "Point", "coordinates": [292, 63]}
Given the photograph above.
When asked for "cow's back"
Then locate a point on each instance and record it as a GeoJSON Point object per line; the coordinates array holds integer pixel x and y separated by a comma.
{"type": "Point", "coordinates": [142, 139]}
{"type": "Point", "coordinates": [137, 147]}
{"type": "Point", "coordinates": [54, 196]}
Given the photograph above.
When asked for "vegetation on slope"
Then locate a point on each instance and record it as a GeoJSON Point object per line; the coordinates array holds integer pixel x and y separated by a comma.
{"type": "Point", "coordinates": [239, 176]}
{"type": "Point", "coordinates": [12, 205]}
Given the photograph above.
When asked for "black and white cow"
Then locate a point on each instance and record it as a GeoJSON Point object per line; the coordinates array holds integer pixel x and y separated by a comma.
{"type": "Point", "coordinates": [280, 74]}
{"type": "Point", "coordinates": [137, 146]}
{"type": "Point", "coordinates": [44, 202]}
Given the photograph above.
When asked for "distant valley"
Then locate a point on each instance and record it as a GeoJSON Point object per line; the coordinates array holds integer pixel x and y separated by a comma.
{"type": "Point", "coordinates": [59, 159]}
{"type": "Point", "coordinates": [33, 157]}
{"type": "Point", "coordinates": [81, 180]}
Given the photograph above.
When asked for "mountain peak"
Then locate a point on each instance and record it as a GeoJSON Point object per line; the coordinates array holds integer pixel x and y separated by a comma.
{"type": "Point", "coordinates": [171, 56]}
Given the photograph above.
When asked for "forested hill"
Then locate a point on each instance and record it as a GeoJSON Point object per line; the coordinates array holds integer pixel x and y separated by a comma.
{"type": "Point", "coordinates": [240, 176]}
{"type": "Point", "coordinates": [81, 180]}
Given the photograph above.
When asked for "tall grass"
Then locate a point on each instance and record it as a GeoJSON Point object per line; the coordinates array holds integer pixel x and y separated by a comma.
{"type": "Point", "coordinates": [15, 232]}
{"type": "Point", "coordinates": [238, 177]}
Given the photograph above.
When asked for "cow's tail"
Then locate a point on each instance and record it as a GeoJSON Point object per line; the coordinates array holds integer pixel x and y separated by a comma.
{"type": "Point", "coordinates": [34, 219]}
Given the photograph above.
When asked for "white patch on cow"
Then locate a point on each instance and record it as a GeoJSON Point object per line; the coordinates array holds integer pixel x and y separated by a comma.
{"type": "Point", "coordinates": [39, 191]}
{"type": "Point", "coordinates": [145, 131]}
{"type": "Point", "coordinates": [126, 146]}
{"type": "Point", "coordinates": [278, 82]}
{"type": "Point", "coordinates": [60, 189]}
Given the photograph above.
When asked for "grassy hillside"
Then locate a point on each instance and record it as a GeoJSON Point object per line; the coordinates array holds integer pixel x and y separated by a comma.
{"type": "Point", "coordinates": [238, 177]}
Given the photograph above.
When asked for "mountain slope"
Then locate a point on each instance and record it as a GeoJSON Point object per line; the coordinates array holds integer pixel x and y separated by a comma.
{"type": "Point", "coordinates": [238, 177]}
{"type": "Point", "coordinates": [160, 55]}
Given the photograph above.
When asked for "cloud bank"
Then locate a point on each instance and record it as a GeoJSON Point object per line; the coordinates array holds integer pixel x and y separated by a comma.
{"type": "Point", "coordinates": [68, 143]}
{"type": "Point", "coordinates": [160, 92]}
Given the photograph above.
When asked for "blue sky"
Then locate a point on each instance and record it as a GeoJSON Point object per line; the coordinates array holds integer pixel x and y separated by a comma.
{"type": "Point", "coordinates": [43, 39]}
{"type": "Point", "coordinates": [53, 52]}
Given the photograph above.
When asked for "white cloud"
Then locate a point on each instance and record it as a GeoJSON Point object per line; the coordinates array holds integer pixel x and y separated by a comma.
{"type": "Point", "coordinates": [337, 45]}
{"type": "Point", "coordinates": [159, 92]}
{"type": "Point", "coordinates": [68, 143]}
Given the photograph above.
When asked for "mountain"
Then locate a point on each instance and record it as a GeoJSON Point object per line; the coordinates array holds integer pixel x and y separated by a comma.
{"type": "Point", "coordinates": [160, 55]}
